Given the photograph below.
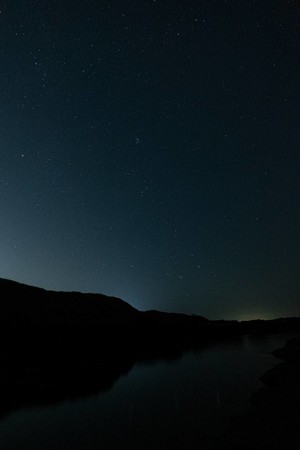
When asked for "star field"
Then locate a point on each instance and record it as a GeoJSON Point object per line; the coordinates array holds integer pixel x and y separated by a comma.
{"type": "Point", "coordinates": [150, 150]}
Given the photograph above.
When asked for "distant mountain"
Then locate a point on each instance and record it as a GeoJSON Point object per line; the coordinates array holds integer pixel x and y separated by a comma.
{"type": "Point", "coordinates": [23, 303]}
{"type": "Point", "coordinates": [20, 302]}
{"type": "Point", "coordinates": [40, 327]}
{"type": "Point", "coordinates": [56, 345]}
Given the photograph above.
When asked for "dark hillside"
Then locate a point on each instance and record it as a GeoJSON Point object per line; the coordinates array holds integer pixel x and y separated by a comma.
{"type": "Point", "coordinates": [59, 344]}
{"type": "Point", "coordinates": [20, 302]}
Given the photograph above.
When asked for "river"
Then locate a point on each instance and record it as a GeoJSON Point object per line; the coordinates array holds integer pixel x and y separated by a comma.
{"type": "Point", "coordinates": [166, 404]}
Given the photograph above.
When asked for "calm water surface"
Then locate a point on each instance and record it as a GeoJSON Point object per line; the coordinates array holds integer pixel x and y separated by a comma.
{"type": "Point", "coordinates": [161, 405]}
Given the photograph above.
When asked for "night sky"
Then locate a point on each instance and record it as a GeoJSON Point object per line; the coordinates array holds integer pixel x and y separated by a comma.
{"type": "Point", "coordinates": [150, 150]}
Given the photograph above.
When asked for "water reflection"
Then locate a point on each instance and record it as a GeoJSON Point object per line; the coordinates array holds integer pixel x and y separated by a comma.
{"type": "Point", "coordinates": [23, 387]}
{"type": "Point", "coordinates": [176, 402]}
{"type": "Point", "coordinates": [31, 387]}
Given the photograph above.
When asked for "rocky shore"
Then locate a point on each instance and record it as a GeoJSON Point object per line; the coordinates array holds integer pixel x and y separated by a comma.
{"type": "Point", "coordinates": [273, 420]}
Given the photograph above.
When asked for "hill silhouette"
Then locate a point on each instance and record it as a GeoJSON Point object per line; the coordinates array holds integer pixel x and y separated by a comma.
{"type": "Point", "coordinates": [42, 327]}
{"type": "Point", "coordinates": [39, 326]}
{"type": "Point", "coordinates": [21, 302]}
{"type": "Point", "coordinates": [58, 345]}
{"type": "Point", "coordinates": [31, 307]}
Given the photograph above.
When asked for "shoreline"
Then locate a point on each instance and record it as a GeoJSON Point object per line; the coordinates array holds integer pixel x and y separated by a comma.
{"type": "Point", "coordinates": [273, 418]}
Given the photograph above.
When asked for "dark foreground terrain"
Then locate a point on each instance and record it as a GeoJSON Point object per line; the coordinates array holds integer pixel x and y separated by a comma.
{"type": "Point", "coordinates": [273, 419]}
{"type": "Point", "coordinates": [65, 345]}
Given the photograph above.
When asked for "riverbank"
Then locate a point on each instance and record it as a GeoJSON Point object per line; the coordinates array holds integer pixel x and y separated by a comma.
{"type": "Point", "coordinates": [273, 420]}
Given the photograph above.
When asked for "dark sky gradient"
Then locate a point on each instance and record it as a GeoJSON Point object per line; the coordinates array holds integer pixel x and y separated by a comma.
{"type": "Point", "coordinates": [150, 150]}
